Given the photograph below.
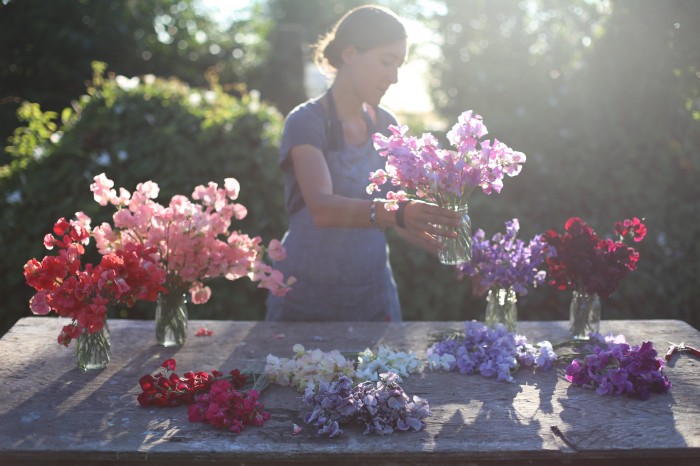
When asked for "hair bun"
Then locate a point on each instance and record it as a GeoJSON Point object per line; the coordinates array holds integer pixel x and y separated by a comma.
{"type": "Point", "coordinates": [364, 28]}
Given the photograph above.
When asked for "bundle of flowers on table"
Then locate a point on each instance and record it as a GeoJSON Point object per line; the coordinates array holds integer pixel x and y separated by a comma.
{"type": "Point", "coordinates": [489, 351]}
{"type": "Point", "coordinates": [310, 368]}
{"type": "Point", "coordinates": [193, 239]}
{"type": "Point", "coordinates": [382, 406]}
{"type": "Point", "coordinates": [504, 267]}
{"type": "Point", "coordinates": [83, 292]}
{"type": "Point", "coordinates": [307, 368]}
{"type": "Point", "coordinates": [591, 266]}
{"type": "Point", "coordinates": [442, 176]}
{"type": "Point", "coordinates": [212, 398]}
{"type": "Point", "coordinates": [372, 364]}
{"type": "Point", "coordinates": [612, 367]}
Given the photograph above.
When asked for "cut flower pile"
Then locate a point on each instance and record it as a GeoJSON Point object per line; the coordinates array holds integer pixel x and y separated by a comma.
{"type": "Point", "coordinates": [366, 391]}
{"type": "Point", "coordinates": [613, 367]}
{"type": "Point", "coordinates": [212, 399]}
{"type": "Point", "coordinates": [381, 406]}
{"type": "Point", "coordinates": [489, 351]}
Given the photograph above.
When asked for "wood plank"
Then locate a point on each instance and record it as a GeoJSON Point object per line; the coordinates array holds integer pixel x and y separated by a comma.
{"type": "Point", "coordinates": [49, 410]}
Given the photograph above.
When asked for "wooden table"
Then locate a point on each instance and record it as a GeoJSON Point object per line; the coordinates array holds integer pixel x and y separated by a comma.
{"type": "Point", "coordinates": [52, 413]}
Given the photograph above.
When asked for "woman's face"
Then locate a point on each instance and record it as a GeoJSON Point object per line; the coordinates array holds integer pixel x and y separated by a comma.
{"type": "Point", "coordinates": [373, 71]}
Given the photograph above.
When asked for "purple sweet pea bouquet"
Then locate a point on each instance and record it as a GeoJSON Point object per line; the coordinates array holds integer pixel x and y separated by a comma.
{"type": "Point", "coordinates": [505, 261]}
{"type": "Point", "coordinates": [442, 176]}
{"type": "Point", "coordinates": [446, 177]}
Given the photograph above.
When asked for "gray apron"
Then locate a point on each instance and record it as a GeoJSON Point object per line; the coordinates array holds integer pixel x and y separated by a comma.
{"type": "Point", "coordinates": [343, 274]}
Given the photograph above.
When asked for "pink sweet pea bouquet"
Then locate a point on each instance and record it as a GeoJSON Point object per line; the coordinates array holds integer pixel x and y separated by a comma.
{"type": "Point", "coordinates": [193, 239]}
{"type": "Point", "coordinates": [446, 177]}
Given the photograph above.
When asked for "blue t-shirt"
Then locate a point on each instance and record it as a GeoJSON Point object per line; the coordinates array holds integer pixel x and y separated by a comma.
{"type": "Point", "coordinates": [309, 123]}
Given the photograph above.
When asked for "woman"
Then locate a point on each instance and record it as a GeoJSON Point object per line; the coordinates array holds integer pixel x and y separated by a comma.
{"type": "Point", "coordinates": [336, 245]}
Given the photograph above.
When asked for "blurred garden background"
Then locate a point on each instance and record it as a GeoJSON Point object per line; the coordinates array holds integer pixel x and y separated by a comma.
{"type": "Point", "coordinates": [602, 95]}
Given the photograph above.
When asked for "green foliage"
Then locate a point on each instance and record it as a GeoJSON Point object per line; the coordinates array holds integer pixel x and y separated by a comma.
{"type": "Point", "coordinates": [137, 130]}
{"type": "Point", "coordinates": [47, 61]}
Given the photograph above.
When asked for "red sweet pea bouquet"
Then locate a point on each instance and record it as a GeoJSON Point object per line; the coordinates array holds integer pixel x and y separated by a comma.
{"type": "Point", "coordinates": [83, 292]}
{"type": "Point", "coordinates": [586, 262]}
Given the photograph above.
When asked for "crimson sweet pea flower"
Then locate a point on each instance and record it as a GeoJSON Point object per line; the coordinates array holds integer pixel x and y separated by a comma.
{"type": "Point", "coordinates": [218, 401]}
{"type": "Point", "coordinates": [83, 293]}
{"type": "Point", "coordinates": [587, 262]}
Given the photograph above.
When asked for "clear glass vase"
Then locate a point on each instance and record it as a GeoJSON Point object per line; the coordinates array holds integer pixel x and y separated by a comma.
{"type": "Point", "coordinates": [92, 349]}
{"type": "Point", "coordinates": [584, 314]}
{"type": "Point", "coordinates": [171, 319]}
{"type": "Point", "coordinates": [459, 249]}
{"type": "Point", "coordinates": [501, 308]}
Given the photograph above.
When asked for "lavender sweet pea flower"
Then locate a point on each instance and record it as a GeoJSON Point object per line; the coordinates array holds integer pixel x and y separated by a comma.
{"type": "Point", "coordinates": [505, 261]}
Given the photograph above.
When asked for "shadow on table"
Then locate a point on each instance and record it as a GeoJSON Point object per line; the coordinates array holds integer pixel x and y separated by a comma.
{"type": "Point", "coordinates": [62, 404]}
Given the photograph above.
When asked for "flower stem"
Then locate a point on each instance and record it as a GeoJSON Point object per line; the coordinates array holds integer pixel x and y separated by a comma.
{"type": "Point", "coordinates": [171, 319]}
{"type": "Point", "coordinates": [92, 349]}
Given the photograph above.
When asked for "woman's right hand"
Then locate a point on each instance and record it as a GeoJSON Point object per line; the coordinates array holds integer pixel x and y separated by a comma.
{"type": "Point", "coordinates": [425, 223]}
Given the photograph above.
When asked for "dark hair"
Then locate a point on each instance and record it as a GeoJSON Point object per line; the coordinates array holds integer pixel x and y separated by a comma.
{"type": "Point", "coordinates": [365, 28]}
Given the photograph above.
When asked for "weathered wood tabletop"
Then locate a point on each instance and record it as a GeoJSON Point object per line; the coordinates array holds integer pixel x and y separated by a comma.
{"type": "Point", "coordinates": [53, 413]}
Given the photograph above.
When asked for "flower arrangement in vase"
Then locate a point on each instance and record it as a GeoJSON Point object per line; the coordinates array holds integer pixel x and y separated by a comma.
{"type": "Point", "coordinates": [193, 240]}
{"type": "Point", "coordinates": [591, 266]}
{"type": "Point", "coordinates": [443, 176]}
{"type": "Point", "coordinates": [83, 293]}
{"type": "Point", "coordinates": [502, 268]}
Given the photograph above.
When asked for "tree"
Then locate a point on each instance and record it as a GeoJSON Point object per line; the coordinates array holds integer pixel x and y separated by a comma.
{"type": "Point", "coordinates": [297, 26]}
{"type": "Point", "coordinates": [47, 61]}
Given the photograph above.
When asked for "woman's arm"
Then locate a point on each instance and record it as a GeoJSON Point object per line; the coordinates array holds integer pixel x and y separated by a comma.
{"type": "Point", "coordinates": [331, 210]}
{"type": "Point", "coordinates": [327, 209]}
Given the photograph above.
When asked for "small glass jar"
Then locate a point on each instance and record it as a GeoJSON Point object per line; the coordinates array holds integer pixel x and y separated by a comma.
{"type": "Point", "coordinates": [92, 349]}
{"type": "Point", "coordinates": [458, 250]}
{"type": "Point", "coordinates": [501, 308]}
{"type": "Point", "coordinates": [584, 314]}
{"type": "Point", "coordinates": [171, 319]}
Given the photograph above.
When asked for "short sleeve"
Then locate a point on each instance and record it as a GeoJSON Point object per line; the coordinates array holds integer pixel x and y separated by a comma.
{"type": "Point", "coordinates": [304, 125]}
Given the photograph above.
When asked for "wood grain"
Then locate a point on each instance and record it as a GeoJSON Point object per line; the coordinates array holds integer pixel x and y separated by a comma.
{"type": "Point", "coordinates": [53, 413]}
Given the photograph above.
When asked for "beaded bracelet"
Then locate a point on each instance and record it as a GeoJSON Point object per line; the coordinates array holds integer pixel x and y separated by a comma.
{"type": "Point", "coordinates": [373, 216]}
